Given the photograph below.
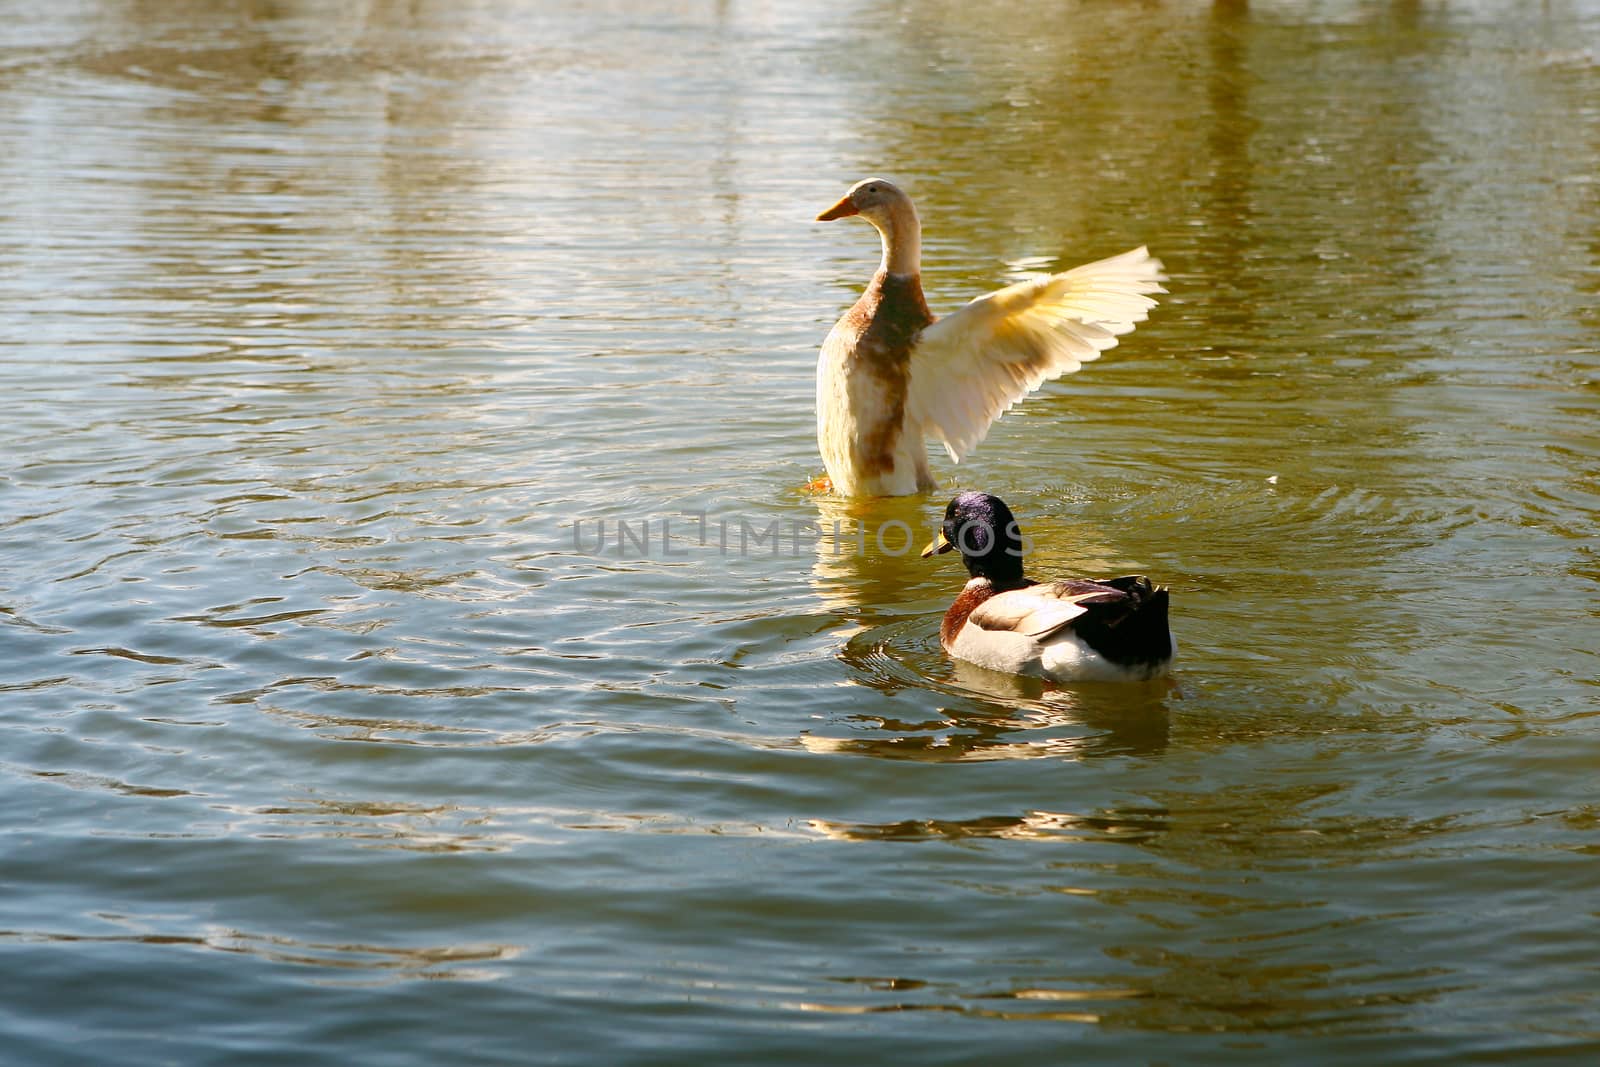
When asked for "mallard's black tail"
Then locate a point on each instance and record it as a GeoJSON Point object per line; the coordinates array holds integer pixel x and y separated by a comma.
{"type": "Point", "coordinates": [1131, 631]}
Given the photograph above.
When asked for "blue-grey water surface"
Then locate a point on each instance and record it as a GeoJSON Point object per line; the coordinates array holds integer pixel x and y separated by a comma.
{"type": "Point", "coordinates": [334, 730]}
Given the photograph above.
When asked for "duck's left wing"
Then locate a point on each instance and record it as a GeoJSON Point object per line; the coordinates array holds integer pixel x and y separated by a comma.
{"type": "Point", "coordinates": [969, 367]}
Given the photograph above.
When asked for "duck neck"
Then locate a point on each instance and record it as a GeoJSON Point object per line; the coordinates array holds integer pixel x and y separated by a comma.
{"type": "Point", "coordinates": [902, 239]}
{"type": "Point", "coordinates": [999, 569]}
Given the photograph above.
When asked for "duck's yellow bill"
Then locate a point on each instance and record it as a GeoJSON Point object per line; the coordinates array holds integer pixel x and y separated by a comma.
{"type": "Point", "coordinates": [843, 209]}
{"type": "Point", "coordinates": [939, 544]}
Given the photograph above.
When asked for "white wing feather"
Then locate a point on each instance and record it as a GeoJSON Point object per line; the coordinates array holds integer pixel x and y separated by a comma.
{"type": "Point", "coordinates": [970, 367]}
{"type": "Point", "coordinates": [1040, 610]}
{"type": "Point", "coordinates": [1032, 612]}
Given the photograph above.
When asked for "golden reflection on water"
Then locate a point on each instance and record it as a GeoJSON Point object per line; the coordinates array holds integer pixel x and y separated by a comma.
{"type": "Point", "coordinates": [866, 553]}
{"type": "Point", "coordinates": [982, 727]}
{"type": "Point", "coordinates": [380, 964]}
{"type": "Point", "coordinates": [1132, 826]}
{"type": "Point", "coordinates": [1246, 963]}
{"type": "Point", "coordinates": [1178, 991]}
{"type": "Point", "coordinates": [324, 307]}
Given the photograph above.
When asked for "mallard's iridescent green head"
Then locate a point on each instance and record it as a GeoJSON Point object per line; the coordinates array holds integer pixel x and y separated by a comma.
{"type": "Point", "coordinates": [982, 528]}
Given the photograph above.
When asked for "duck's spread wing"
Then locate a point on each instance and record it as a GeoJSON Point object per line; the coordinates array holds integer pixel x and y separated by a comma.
{"type": "Point", "coordinates": [1041, 610]}
{"type": "Point", "coordinates": [969, 367]}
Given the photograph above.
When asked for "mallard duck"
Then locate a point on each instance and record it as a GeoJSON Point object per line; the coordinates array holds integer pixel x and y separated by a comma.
{"type": "Point", "coordinates": [1074, 629]}
{"type": "Point", "coordinates": [890, 375]}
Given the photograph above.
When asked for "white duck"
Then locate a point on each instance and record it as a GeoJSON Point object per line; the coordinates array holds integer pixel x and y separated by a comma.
{"type": "Point", "coordinates": [890, 375]}
{"type": "Point", "coordinates": [1071, 629]}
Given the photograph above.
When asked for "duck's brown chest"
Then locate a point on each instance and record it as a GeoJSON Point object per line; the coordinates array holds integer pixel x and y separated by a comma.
{"type": "Point", "coordinates": [887, 319]}
{"type": "Point", "coordinates": [882, 328]}
{"type": "Point", "coordinates": [976, 592]}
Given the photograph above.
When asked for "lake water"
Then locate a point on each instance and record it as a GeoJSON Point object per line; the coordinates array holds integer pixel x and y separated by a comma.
{"type": "Point", "coordinates": [333, 731]}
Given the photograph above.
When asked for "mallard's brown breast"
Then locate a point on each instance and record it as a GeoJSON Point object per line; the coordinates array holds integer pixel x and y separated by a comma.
{"type": "Point", "coordinates": [975, 593]}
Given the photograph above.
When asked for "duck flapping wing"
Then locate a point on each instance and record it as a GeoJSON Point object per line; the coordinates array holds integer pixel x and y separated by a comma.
{"type": "Point", "coordinates": [971, 366]}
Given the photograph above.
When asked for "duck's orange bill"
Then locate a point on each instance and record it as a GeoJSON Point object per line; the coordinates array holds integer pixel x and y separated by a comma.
{"type": "Point", "coordinates": [937, 545]}
{"type": "Point", "coordinates": [843, 209]}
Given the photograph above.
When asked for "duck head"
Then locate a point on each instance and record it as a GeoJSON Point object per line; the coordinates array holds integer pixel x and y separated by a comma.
{"type": "Point", "coordinates": [987, 535]}
{"type": "Point", "coordinates": [892, 214]}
